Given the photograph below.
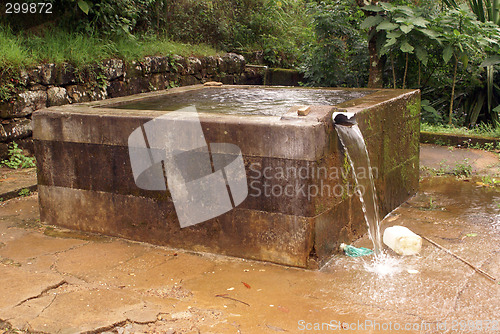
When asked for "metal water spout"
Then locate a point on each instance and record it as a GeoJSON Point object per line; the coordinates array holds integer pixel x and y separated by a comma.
{"type": "Point", "coordinates": [265, 67]}
{"type": "Point", "coordinates": [344, 118]}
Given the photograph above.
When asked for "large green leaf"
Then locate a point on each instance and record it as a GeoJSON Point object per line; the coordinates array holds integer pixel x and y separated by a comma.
{"type": "Point", "coordinates": [490, 73]}
{"type": "Point", "coordinates": [420, 22]}
{"type": "Point", "coordinates": [406, 28]}
{"type": "Point", "coordinates": [394, 34]}
{"type": "Point", "coordinates": [84, 6]}
{"type": "Point", "coordinates": [390, 42]}
{"type": "Point", "coordinates": [430, 33]}
{"type": "Point", "coordinates": [404, 9]}
{"type": "Point", "coordinates": [447, 53]}
{"type": "Point", "coordinates": [386, 6]}
{"type": "Point", "coordinates": [406, 47]}
{"type": "Point", "coordinates": [387, 25]}
{"type": "Point", "coordinates": [371, 21]}
{"type": "Point", "coordinates": [490, 61]}
{"type": "Point", "coordinates": [426, 105]}
{"type": "Point", "coordinates": [465, 59]}
{"type": "Point", "coordinates": [373, 8]}
{"type": "Point", "coordinates": [476, 107]}
{"type": "Point", "coordinates": [422, 55]}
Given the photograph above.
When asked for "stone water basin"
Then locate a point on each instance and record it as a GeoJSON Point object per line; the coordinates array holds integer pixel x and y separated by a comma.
{"type": "Point", "coordinates": [299, 203]}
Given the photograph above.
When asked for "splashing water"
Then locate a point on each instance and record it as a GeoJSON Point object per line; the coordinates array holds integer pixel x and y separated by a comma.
{"type": "Point", "coordinates": [383, 265]}
{"type": "Point", "coordinates": [354, 144]}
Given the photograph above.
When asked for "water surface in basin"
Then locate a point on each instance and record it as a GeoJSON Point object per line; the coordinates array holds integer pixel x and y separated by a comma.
{"type": "Point", "coordinates": [246, 101]}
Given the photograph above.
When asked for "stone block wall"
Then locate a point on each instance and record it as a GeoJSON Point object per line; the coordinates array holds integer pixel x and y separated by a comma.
{"type": "Point", "coordinates": [300, 205]}
{"type": "Point", "coordinates": [49, 85]}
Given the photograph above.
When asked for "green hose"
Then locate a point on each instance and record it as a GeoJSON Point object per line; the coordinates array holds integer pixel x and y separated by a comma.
{"type": "Point", "coordinates": [354, 251]}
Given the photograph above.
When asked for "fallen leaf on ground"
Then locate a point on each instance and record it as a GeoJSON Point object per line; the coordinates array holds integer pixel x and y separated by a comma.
{"type": "Point", "coordinates": [283, 309]}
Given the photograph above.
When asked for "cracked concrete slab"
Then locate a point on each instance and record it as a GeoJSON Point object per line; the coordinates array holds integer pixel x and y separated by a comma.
{"type": "Point", "coordinates": [12, 181]}
{"type": "Point", "coordinates": [86, 310]}
{"type": "Point", "coordinates": [446, 159]}
{"type": "Point", "coordinates": [94, 260]}
{"type": "Point", "coordinates": [17, 285]}
{"type": "Point", "coordinates": [21, 316]}
{"type": "Point", "coordinates": [39, 245]}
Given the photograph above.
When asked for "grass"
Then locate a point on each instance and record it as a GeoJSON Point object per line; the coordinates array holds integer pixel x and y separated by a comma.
{"type": "Point", "coordinates": [485, 130]}
{"type": "Point", "coordinates": [462, 168]}
{"type": "Point", "coordinates": [13, 53]}
{"type": "Point", "coordinates": [148, 46]}
{"type": "Point", "coordinates": [490, 181]}
{"type": "Point", "coordinates": [56, 46]}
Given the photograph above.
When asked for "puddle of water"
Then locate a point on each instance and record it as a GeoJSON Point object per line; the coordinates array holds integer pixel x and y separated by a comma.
{"type": "Point", "coordinates": [433, 284]}
{"type": "Point", "coordinates": [460, 200]}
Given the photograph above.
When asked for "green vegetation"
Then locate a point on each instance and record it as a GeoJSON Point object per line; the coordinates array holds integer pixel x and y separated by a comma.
{"type": "Point", "coordinates": [432, 206]}
{"type": "Point", "coordinates": [24, 192]}
{"type": "Point", "coordinates": [337, 53]}
{"type": "Point", "coordinates": [135, 28]}
{"type": "Point", "coordinates": [463, 168]}
{"type": "Point", "coordinates": [429, 44]}
{"type": "Point", "coordinates": [17, 159]}
{"type": "Point", "coordinates": [480, 130]}
{"type": "Point", "coordinates": [58, 46]}
{"type": "Point", "coordinates": [490, 181]}
{"type": "Point", "coordinates": [485, 130]}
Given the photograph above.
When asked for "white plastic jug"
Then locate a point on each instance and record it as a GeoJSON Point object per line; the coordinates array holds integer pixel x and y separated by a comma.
{"type": "Point", "coordinates": [401, 240]}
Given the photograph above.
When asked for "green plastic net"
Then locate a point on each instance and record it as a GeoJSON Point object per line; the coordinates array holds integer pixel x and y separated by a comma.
{"type": "Point", "coordinates": [355, 251]}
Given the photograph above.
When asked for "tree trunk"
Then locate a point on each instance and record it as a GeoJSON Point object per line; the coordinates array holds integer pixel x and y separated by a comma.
{"type": "Point", "coordinates": [393, 71]}
{"type": "Point", "coordinates": [406, 71]}
{"type": "Point", "coordinates": [376, 74]}
{"type": "Point", "coordinates": [453, 90]}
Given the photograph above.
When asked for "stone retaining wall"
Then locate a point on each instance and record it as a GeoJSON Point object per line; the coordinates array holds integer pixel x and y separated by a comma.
{"type": "Point", "coordinates": [457, 139]}
{"type": "Point", "coordinates": [53, 85]}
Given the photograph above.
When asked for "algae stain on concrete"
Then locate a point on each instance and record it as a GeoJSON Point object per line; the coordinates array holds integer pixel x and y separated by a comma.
{"type": "Point", "coordinates": [71, 234]}
{"type": "Point", "coordinates": [346, 170]}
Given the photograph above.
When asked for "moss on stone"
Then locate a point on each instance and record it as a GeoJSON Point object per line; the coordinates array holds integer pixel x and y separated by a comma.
{"type": "Point", "coordinates": [413, 107]}
{"type": "Point", "coordinates": [346, 166]}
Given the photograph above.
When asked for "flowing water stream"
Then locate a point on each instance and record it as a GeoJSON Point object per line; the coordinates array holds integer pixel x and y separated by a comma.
{"type": "Point", "coordinates": [353, 142]}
